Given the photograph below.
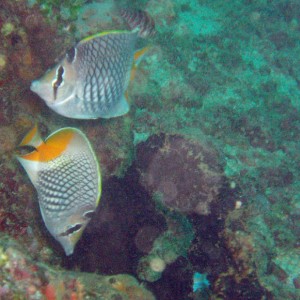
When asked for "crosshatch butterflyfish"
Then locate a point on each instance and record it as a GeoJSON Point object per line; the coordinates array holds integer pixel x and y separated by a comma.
{"type": "Point", "coordinates": [91, 80]}
{"type": "Point", "coordinates": [66, 174]}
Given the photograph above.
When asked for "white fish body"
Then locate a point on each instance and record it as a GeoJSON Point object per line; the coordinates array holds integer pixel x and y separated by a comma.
{"type": "Point", "coordinates": [66, 174]}
{"type": "Point", "coordinates": [91, 80]}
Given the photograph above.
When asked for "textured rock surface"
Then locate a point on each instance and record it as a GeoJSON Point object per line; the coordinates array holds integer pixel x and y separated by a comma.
{"type": "Point", "coordinates": [24, 278]}
{"type": "Point", "coordinates": [186, 174]}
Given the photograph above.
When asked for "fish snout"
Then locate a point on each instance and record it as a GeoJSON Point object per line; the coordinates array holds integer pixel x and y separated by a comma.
{"type": "Point", "coordinates": [34, 86]}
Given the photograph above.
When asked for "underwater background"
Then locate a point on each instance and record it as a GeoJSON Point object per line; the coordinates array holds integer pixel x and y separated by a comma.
{"type": "Point", "coordinates": [200, 180]}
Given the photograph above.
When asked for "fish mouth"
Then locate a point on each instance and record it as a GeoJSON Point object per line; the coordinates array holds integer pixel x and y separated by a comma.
{"type": "Point", "coordinates": [34, 86]}
{"type": "Point", "coordinates": [39, 88]}
{"type": "Point", "coordinates": [68, 247]}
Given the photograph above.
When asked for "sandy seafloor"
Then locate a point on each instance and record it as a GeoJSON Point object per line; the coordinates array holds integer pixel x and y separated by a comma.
{"type": "Point", "coordinates": [201, 176]}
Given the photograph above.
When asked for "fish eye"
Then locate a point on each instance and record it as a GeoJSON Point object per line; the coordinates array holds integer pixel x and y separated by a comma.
{"type": "Point", "coordinates": [71, 230]}
{"type": "Point", "coordinates": [23, 150]}
{"type": "Point", "coordinates": [59, 79]}
{"type": "Point", "coordinates": [70, 55]}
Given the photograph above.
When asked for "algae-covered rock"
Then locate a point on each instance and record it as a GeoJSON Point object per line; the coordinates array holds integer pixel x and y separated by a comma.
{"type": "Point", "coordinates": [24, 278]}
{"type": "Point", "coordinates": [167, 247]}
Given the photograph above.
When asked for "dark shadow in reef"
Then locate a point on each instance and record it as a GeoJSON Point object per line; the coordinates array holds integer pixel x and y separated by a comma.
{"type": "Point", "coordinates": [109, 244]}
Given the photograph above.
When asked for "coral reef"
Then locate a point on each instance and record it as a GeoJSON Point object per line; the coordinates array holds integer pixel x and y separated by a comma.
{"type": "Point", "coordinates": [25, 36]}
{"type": "Point", "coordinates": [220, 82]}
{"type": "Point", "coordinates": [167, 247]}
{"type": "Point", "coordinates": [23, 278]}
{"type": "Point", "coordinates": [258, 238]}
{"type": "Point", "coordinates": [96, 17]}
{"type": "Point", "coordinates": [56, 10]}
{"type": "Point", "coordinates": [237, 79]}
{"type": "Point", "coordinates": [29, 46]}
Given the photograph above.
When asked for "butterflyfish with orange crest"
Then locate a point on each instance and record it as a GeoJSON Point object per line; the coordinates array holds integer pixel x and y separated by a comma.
{"type": "Point", "coordinates": [91, 80]}
{"type": "Point", "coordinates": [66, 175]}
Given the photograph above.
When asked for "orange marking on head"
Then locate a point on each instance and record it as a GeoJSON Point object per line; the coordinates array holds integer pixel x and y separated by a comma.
{"type": "Point", "coordinates": [52, 148]}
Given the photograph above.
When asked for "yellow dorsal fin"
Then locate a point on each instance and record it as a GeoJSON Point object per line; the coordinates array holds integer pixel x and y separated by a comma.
{"type": "Point", "coordinates": [102, 34]}
{"type": "Point", "coordinates": [32, 138]}
{"type": "Point", "coordinates": [53, 147]}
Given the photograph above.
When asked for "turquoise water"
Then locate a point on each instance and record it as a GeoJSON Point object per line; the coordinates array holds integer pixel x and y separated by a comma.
{"type": "Point", "coordinates": [200, 179]}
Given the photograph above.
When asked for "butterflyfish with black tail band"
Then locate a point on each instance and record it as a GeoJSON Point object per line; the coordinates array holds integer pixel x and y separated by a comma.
{"type": "Point", "coordinates": [91, 80]}
{"type": "Point", "coordinates": [66, 174]}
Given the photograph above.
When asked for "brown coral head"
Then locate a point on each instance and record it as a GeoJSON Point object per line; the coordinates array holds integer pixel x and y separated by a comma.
{"type": "Point", "coordinates": [187, 173]}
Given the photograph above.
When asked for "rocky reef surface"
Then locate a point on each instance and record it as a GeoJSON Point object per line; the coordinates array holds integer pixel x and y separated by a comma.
{"type": "Point", "coordinates": [201, 176]}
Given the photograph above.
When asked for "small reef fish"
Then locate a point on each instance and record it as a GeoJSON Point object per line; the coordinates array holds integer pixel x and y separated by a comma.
{"type": "Point", "coordinates": [139, 19]}
{"type": "Point", "coordinates": [90, 82]}
{"type": "Point", "coordinates": [66, 174]}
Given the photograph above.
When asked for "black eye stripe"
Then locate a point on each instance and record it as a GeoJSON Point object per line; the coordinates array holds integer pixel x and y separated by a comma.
{"type": "Point", "coordinates": [22, 150]}
{"type": "Point", "coordinates": [59, 76]}
{"type": "Point", "coordinates": [71, 230]}
{"type": "Point", "coordinates": [58, 81]}
{"type": "Point", "coordinates": [70, 55]}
